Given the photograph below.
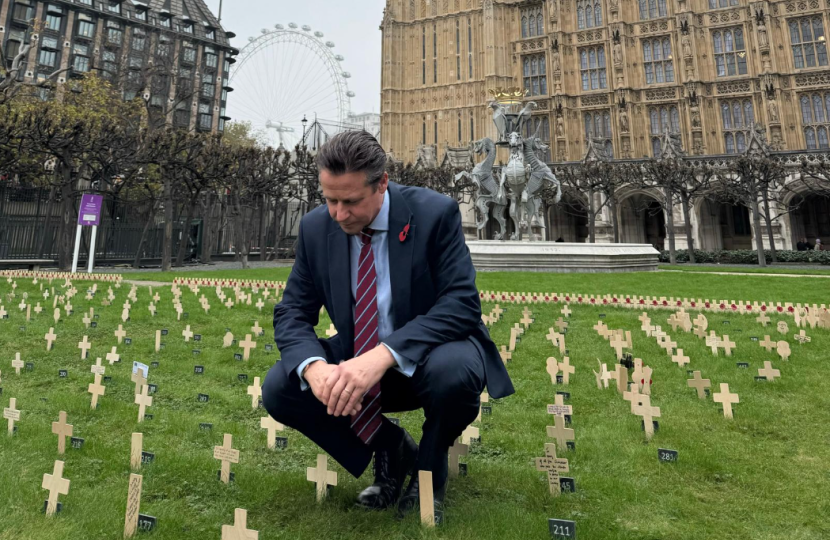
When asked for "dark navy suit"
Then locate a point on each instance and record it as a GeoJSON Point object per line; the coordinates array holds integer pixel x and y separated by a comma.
{"type": "Point", "coordinates": [437, 324]}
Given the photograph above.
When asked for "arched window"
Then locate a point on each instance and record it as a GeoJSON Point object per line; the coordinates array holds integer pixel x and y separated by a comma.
{"type": "Point", "coordinates": [808, 42]}
{"type": "Point", "coordinates": [815, 119]}
{"type": "Point", "coordinates": [598, 128]}
{"type": "Point", "coordinates": [658, 62]}
{"type": "Point", "coordinates": [738, 118]}
{"type": "Point", "coordinates": [588, 13]}
{"type": "Point", "coordinates": [730, 52]}
{"type": "Point", "coordinates": [524, 27]}
{"type": "Point", "coordinates": [534, 72]}
{"type": "Point", "coordinates": [592, 67]}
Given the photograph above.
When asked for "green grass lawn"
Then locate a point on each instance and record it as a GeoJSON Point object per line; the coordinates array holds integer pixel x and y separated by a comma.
{"type": "Point", "coordinates": [762, 473]}
{"type": "Point", "coordinates": [794, 269]}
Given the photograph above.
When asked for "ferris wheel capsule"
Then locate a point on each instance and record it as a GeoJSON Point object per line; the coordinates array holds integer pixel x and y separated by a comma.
{"type": "Point", "coordinates": [318, 34]}
{"type": "Point", "coordinates": [307, 28]}
{"type": "Point", "coordinates": [292, 25]}
{"type": "Point", "coordinates": [339, 57]}
{"type": "Point", "coordinates": [278, 26]}
{"type": "Point", "coordinates": [330, 44]}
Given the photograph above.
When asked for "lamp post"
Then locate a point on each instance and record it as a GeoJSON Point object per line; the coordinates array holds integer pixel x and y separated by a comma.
{"type": "Point", "coordinates": [304, 122]}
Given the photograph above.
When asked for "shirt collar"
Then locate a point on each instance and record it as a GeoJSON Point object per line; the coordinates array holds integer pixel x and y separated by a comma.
{"type": "Point", "coordinates": [381, 222]}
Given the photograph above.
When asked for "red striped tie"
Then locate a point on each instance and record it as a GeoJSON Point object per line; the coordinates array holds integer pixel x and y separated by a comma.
{"type": "Point", "coordinates": [367, 422]}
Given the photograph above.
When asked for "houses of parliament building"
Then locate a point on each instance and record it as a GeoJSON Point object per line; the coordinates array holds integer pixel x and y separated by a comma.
{"type": "Point", "coordinates": [621, 72]}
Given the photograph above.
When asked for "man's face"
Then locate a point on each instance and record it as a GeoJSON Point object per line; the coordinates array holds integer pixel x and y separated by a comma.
{"type": "Point", "coordinates": [351, 203]}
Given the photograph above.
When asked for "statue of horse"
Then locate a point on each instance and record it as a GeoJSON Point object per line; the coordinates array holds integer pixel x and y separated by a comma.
{"type": "Point", "coordinates": [540, 173]}
{"type": "Point", "coordinates": [488, 192]}
{"type": "Point", "coordinates": [515, 175]}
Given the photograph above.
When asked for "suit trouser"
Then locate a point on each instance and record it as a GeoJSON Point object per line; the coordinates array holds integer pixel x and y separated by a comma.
{"type": "Point", "coordinates": [447, 386]}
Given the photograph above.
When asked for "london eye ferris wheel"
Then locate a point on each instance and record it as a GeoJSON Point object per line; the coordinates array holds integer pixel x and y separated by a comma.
{"type": "Point", "coordinates": [285, 75]}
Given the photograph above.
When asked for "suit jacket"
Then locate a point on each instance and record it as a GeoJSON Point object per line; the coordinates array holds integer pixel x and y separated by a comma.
{"type": "Point", "coordinates": [434, 294]}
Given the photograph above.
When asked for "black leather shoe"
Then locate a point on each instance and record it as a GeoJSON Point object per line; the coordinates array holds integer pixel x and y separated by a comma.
{"type": "Point", "coordinates": [391, 468]}
{"type": "Point", "coordinates": [411, 499]}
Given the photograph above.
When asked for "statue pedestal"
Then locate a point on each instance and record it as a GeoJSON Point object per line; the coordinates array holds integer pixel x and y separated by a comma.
{"type": "Point", "coordinates": [497, 256]}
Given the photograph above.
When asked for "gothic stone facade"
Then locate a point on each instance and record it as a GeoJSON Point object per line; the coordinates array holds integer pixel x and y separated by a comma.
{"type": "Point", "coordinates": [118, 39]}
{"type": "Point", "coordinates": [621, 72]}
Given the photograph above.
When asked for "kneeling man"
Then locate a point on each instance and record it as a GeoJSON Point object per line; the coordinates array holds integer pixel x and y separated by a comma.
{"type": "Point", "coordinates": [391, 266]}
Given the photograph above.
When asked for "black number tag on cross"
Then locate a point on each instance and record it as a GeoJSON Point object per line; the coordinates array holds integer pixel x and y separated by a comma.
{"type": "Point", "coordinates": [147, 458]}
{"type": "Point", "coordinates": [237, 356]}
{"type": "Point", "coordinates": [562, 529]}
{"type": "Point", "coordinates": [77, 443]}
{"type": "Point", "coordinates": [487, 411]}
{"type": "Point", "coordinates": [206, 426]}
{"type": "Point", "coordinates": [198, 370]}
{"type": "Point", "coordinates": [396, 421]}
{"type": "Point", "coordinates": [567, 485]}
{"type": "Point", "coordinates": [667, 456]}
{"type": "Point", "coordinates": [197, 337]}
{"type": "Point", "coordinates": [243, 377]}
{"type": "Point", "coordinates": [30, 366]}
{"type": "Point", "coordinates": [281, 442]}
{"type": "Point", "coordinates": [559, 379]}
{"type": "Point", "coordinates": [197, 351]}
{"type": "Point", "coordinates": [154, 364]}
{"type": "Point", "coordinates": [743, 365]}
{"type": "Point", "coordinates": [152, 388]}
{"type": "Point", "coordinates": [565, 395]}
{"type": "Point", "coordinates": [62, 373]}
{"type": "Point", "coordinates": [203, 398]}
{"type": "Point", "coordinates": [462, 469]}
{"type": "Point", "coordinates": [602, 315]}
{"type": "Point", "coordinates": [93, 324]}
{"type": "Point", "coordinates": [128, 341]}
{"type": "Point", "coordinates": [753, 338]}
{"type": "Point", "coordinates": [269, 348]}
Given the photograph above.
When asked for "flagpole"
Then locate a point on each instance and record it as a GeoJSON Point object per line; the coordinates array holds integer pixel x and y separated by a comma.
{"type": "Point", "coordinates": [220, 11]}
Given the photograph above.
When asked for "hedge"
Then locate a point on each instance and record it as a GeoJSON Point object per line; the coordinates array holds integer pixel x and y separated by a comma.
{"type": "Point", "coordinates": [744, 256]}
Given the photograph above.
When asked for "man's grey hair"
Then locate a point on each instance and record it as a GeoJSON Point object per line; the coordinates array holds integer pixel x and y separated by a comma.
{"type": "Point", "coordinates": [353, 151]}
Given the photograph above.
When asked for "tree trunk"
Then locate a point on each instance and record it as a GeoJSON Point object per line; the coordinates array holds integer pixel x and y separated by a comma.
{"type": "Point", "coordinates": [65, 236]}
{"type": "Point", "coordinates": [278, 211]}
{"type": "Point", "coordinates": [185, 235]}
{"type": "Point", "coordinates": [263, 228]}
{"type": "Point", "coordinates": [592, 217]}
{"type": "Point", "coordinates": [670, 225]}
{"type": "Point", "coordinates": [759, 239]}
{"type": "Point", "coordinates": [138, 253]}
{"type": "Point", "coordinates": [687, 220]}
{"type": "Point", "coordinates": [167, 241]}
{"type": "Point", "coordinates": [207, 227]}
{"type": "Point", "coordinates": [47, 223]}
{"type": "Point", "coordinates": [768, 223]}
{"type": "Point", "coordinates": [615, 221]}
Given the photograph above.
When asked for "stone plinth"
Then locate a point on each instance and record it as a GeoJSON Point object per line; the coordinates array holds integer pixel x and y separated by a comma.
{"type": "Point", "coordinates": [496, 256]}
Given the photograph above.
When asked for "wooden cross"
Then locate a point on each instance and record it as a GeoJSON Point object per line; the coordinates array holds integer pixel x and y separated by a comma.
{"type": "Point", "coordinates": [247, 344]}
{"type": "Point", "coordinates": [11, 414]}
{"type": "Point", "coordinates": [113, 356]}
{"type": "Point", "coordinates": [526, 320]}
{"type": "Point", "coordinates": [668, 344]}
{"type": "Point", "coordinates": [229, 303]}
{"type": "Point", "coordinates": [725, 398]}
{"type": "Point", "coordinates": [62, 430]}
{"type": "Point", "coordinates": [484, 398]}
{"type": "Point", "coordinates": [56, 485]}
{"type": "Point", "coordinates": [456, 450]}
{"type": "Point", "coordinates": [768, 372]}
{"type": "Point", "coordinates": [426, 499]}
{"type": "Point", "coordinates": [98, 369]}
{"type": "Point", "coordinates": [143, 401]}
{"type": "Point", "coordinates": [86, 320]}
{"type": "Point", "coordinates": [559, 407]}
{"type": "Point", "coordinates": [133, 505]}
{"type": "Point", "coordinates": [227, 455]}
{"type": "Point", "coordinates": [699, 384]}
{"type": "Point", "coordinates": [768, 344]}
{"type": "Point", "coordinates": [260, 304]}
{"type": "Point", "coordinates": [84, 345]}
{"type": "Point", "coordinates": [120, 333]}
{"type": "Point", "coordinates": [22, 305]}
{"type": "Point", "coordinates": [617, 342]}
{"type": "Point", "coordinates": [17, 363]}
{"type": "Point", "coordinates": [136, 447]}
{"type": "Point", "coordinates": [783, 349]}
{"type": "Point", "coordinates": [332, 331]}
{"type": "Point", "coordinates": [50, 338]}
{"type": "Point", "coordinates": [561, 324]}
{"type": "Point", "coordinates": [239, 530]}
{"type": "Point", "coordinates": [139, 378]}
{"type": "Point", "coordinates": [622, 378]}
{"type": "Point", "coordinates": [68, 308]}
{"type": "Point", "coordinates": [802, 337]}
{"type": "Point", "coordinates": [96, 389]}
{"type": "Point", "coordinates": [644, 319]}
{"type": "Point", "coordinates": [256, 329]}
{"type": "Point", "coordinates": [782, 327]}
{"type": "Point", "coordinates": [187, 334]}
{"type": "Point", "coordinates": [552, 369]}
{"type": "Point", "coordinates": [272, 426]}
{"type": "Point", "coordinates": [713, 342]}
{"type": "Point", "coordinates": [727, 345]}
{"type": "Point", "coordinates": [559, 432]}
{"type": "Point", "coordinates": [679, 358]}
{"type": "Point", "coordinates": [3, 312]}
{"type": "Point", "coordinates": [553, 466]}
{"type": "Point", "coordinates": [566, 311]}
{"type": "Point", "coordinates": [255, 391]}
{"type": "Point", "coordinates": [505, 355]}
{"type": "Point", "coordinates": [674, 321]}
{"type": "Point", "coordinates": [600, 329]}
{"type": "Point", "coordinates": [471, 432]}
{"type": "Point", "coordinates": [567, 369]}
{"type": "Point", "coordinates": [762, 319]}
{"type": "Point", "coordinates": [648, 413]}
{"type": "Point", "coordinates": [321, 476]}
{"type": "Point", "coordinates": [152, 308]}
{"type": "Point", "coordinates": [514, 334]}
{"type": "Point", "coordinates": [633, 396]}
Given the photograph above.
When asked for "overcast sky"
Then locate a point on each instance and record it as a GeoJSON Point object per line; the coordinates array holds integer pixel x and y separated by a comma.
{"type": "Point", "coordinates": [351, 24]}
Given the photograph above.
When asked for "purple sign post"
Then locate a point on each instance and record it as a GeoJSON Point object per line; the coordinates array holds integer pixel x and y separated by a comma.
{"type": "Point", "coordinates": [89, 214]}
